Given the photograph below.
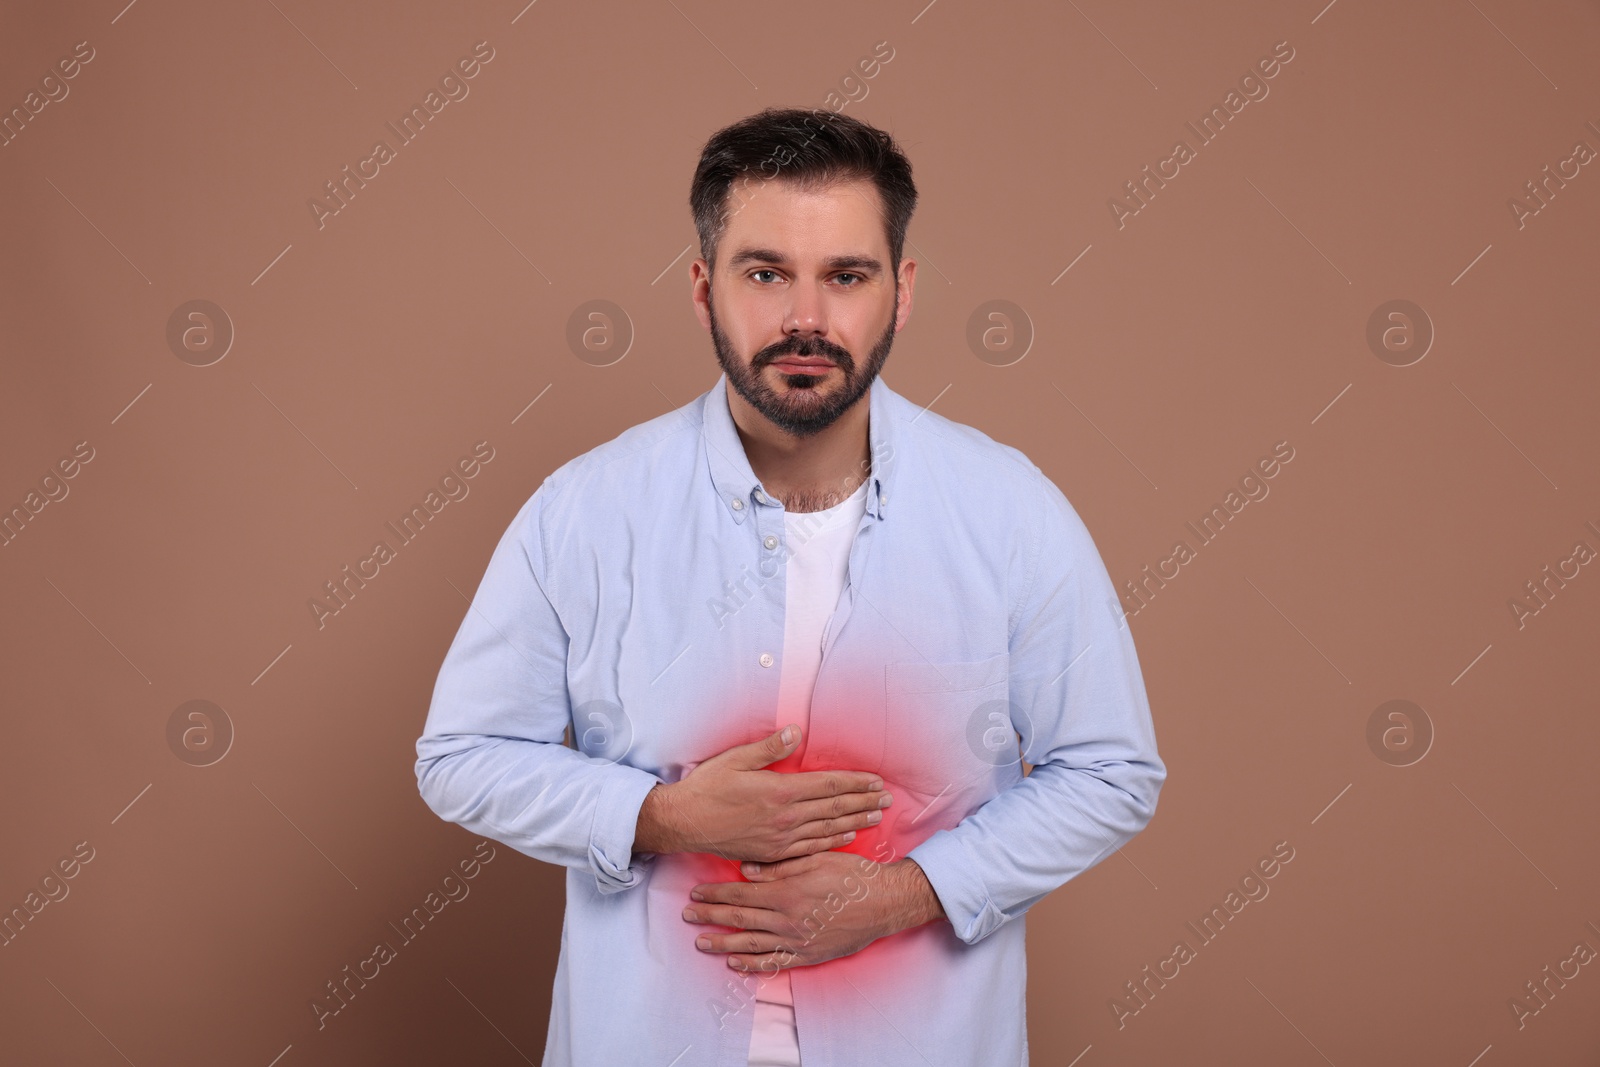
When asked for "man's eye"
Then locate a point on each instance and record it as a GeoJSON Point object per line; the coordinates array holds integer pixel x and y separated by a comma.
{"type": "Point", "coordinates": [855, 276]}
{"type": "Point", "coordinates": [758, 273]}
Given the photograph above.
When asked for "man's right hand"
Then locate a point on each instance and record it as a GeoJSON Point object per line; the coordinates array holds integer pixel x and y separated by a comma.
{"type": "Point", "coordinates": [731, 806]}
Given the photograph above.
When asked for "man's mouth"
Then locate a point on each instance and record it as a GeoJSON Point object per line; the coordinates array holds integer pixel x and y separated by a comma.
{"type": "Point", "coordinates": [803, 364]}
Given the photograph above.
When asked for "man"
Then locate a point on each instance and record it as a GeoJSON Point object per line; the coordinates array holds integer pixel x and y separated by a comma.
{"type": "Point", "coordinates": [805, 635]}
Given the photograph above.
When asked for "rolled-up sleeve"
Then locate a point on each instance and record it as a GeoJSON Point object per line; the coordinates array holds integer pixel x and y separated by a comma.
{"type": "Point", "coordinates": [1080, 707]}
{"type": "Point", "coordinates": [491, 756]}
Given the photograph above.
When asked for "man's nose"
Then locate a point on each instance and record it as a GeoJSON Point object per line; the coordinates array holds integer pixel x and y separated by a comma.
{"type": "Point", "coordinates": [806, 314]}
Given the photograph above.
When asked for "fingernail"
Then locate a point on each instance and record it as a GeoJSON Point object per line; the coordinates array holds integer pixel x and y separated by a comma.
{"type": "Point", "coordinates": [888, 798]}
{"type": "Point", "coordinates": [788, 735]}
{"type": "Point", "coordinates": [695, 894]}
{"type": "Point", "coordinates": [750, 870]}
{"type": "Point", "coordinates": [876, 783]}
{"type": "Point", "coordinates": [702, 942]}
{"type": "Point", "coordinates": [688, 913]}
{"type": "Point", "coordinates": [874, 818]}
{"type": "Point", "coordinates": [850, 835]}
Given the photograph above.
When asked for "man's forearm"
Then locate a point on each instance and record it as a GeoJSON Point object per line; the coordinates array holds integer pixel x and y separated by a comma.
{"type": "Point", "coordinates": [655, 832]}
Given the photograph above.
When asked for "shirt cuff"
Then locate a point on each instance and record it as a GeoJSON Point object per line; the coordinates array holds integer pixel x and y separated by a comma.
{"type": "Point", "coordinates": [616, 820]}
{"type": "Point", "coordinates": [958, 885]}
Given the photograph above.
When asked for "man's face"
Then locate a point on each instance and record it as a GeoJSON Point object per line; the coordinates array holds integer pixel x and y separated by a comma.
{"type": "Point", "coordinates": [806, 308]}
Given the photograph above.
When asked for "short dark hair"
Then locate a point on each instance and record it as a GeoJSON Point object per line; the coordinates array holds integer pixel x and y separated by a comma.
{"type": "Point", "coordinates": [811, 147]}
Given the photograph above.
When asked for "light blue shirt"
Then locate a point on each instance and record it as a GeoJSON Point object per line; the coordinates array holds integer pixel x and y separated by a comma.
{"type": "Point", "coordinates": [638, 597]}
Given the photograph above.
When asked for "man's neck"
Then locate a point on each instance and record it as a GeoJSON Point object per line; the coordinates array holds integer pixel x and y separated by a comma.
{"type": "Point", "coordinates": [806, 473]}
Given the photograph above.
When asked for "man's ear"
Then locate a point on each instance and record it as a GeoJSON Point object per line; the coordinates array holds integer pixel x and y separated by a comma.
{"type": "Point", "coordinates": [907, 278]}
{"type": "Point", "coordinates": [700, 291]}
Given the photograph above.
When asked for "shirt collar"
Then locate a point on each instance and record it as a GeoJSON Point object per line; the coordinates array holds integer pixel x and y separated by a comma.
{"type": "Point", "coordinates": [738, 488]}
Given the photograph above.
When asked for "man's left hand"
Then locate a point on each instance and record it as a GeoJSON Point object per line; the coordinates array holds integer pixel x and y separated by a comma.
{"type": "Point", "coordinates": [805, 910]}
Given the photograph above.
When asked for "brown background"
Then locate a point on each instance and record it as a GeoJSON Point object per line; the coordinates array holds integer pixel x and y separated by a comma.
{"type": "Point", "coordinates": [371, 353]}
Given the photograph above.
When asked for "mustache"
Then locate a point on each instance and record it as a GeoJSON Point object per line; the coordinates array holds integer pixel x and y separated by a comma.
{"type": "Point", "coordinates": [810, 346]}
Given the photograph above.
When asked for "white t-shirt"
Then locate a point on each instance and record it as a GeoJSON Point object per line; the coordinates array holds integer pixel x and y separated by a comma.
{"type": "Point", "coordinates": [819, 562]}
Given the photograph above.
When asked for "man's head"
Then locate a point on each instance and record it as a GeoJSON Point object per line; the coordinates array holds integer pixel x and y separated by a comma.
{"type": "Point", "coordinates": [802, 219]}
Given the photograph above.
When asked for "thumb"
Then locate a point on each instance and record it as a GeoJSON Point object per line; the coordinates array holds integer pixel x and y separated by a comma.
{"type": "Point", "coordinates": [769, 749]}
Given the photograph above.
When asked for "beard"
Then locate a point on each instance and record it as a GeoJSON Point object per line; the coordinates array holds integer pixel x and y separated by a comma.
{"type": "Point", "coordinates": [803, 406]}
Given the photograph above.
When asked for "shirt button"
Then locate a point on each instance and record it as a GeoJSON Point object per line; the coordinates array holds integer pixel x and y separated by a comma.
{"type": "Point", "coordinates": [766, 659]}
{"type": "Point", "coordinates": [738, 505]}
{"type": "Point", "coordinates": [883, 498]}
{"type": "Point", "coordinates": [761, 497]}
{"type": "Point", "coordinates": [770, 541]}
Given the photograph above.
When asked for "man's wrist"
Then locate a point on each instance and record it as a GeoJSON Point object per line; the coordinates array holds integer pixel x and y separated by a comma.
{"type": "Point", "coordinates": [917, 903]}
{"type": "Point", "coordinates": [654, 830]}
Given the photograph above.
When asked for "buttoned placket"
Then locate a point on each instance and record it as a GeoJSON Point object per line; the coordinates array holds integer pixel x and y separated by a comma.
{"type": "Point", "coordinates": [762, 635]}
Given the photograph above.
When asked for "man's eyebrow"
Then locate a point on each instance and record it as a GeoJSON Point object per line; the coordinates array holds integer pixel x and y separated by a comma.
{"type": "Point", "coordinates": [863, 263]}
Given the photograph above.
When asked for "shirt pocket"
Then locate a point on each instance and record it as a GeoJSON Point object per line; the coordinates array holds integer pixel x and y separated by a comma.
{"type": "Point", "coordinates": [947, 724]}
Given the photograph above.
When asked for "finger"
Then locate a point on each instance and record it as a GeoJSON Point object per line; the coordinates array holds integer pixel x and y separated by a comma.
{"type": "Point", "coordinates": [771, 872]}
{"type": "Point", "coordinates": [770, 922]}
{"type": "Point", "coordinates": [769, 749]}
{"type": "Point", "coordinates": [751, 942]}
{"type": "Point", "coordinates": [769, 963]}
{"type": "Point", "coordinates": [837, 807]}
{"type": "Point", "coordinates": [812, 784]}
{"type": "Point", "coordinates": [829, 826]}
{"type": "Point", "coordinates": [811, 846]}
{"type": "Point", "coordinates": [740, 893]}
